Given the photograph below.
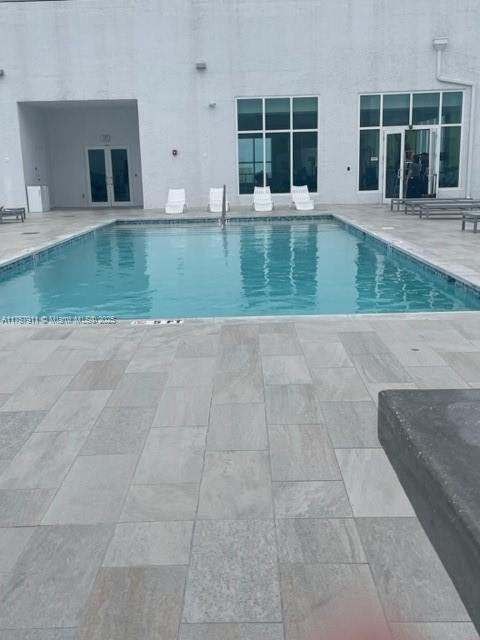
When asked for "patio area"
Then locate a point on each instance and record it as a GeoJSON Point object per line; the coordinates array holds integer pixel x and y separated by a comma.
{"type": "Point", "coordinates": [221, 479]}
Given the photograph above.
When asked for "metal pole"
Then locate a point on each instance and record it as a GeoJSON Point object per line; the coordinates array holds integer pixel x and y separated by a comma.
{"type": "Point", "coordinates": [224, 206]}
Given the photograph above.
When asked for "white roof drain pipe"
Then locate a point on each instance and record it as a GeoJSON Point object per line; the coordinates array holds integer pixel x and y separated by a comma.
{"type": "Point", "coordinates": [440, 44]}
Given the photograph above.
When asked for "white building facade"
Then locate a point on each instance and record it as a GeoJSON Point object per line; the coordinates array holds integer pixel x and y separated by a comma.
{"type": "Point", "coordinates": [111, 103]}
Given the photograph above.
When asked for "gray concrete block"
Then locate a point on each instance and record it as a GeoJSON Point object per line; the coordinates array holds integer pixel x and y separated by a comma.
{"type": "Point", "coordinates": [433, 441]}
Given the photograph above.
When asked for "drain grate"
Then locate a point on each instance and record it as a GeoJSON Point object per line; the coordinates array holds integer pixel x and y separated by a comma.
{"type": "Point", "coordinates": [30, 233]}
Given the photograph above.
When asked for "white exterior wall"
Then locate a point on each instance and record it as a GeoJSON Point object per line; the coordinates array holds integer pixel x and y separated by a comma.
{"type": "Point", "coordinates": [147, 50]}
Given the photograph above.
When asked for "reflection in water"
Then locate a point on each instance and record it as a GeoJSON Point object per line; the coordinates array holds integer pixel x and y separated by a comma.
{"type": "Point", "coordinates": [383, 281]}
{"type": "Point", "coordinates": [112, 265]}
{"type": "Point", "coordinates": [157, 271]}
{"type": "Point", "coordinates": [279, 264]}
{"type": "Point", "coordinates": [305, 262]}
{"type": "Point", "coordinates": [253, 264]}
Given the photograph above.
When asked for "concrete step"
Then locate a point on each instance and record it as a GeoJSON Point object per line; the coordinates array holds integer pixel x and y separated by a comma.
{"type": "Point", "coordinates": [432, 439]}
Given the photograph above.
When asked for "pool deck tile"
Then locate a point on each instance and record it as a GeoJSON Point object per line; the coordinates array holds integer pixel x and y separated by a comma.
{"type": "Point", "coordinates": [239, 426]}
{"type": "Point", "coordinates": [15, 429]}
{"type": "Point", "coordinates": [411, 581]}
{"type": "Point", "coordinates": [233, 575]}
{"type": "Point", "coordinates": [236, 486]}
{"type": "Point", "coordinates": [93, 491]}
{"type": "Point", "coordinates": [134, 602]}
{"type": "Point", "coordinates": [172, 455]}
{"type": "Point", "coordinates": [371, 484]}
{"type": "Point", "coordinates": [302, 452]}
{"type": "Point", "coordinates": [54, 576]}
{"type": "Point", "coordinates": [234, 631]}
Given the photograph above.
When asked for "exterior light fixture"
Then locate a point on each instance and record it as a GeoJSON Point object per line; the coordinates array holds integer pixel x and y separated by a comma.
{"type": "Point", "coordinates": [201, 66]}
{"type": "Point", "coordinates": [440, 44]}
{"type": "Point", "coordinates": [212, 105]}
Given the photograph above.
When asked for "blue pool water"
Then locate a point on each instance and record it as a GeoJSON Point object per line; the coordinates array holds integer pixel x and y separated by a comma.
{"type": "Point", "coordinates": [251, 268]}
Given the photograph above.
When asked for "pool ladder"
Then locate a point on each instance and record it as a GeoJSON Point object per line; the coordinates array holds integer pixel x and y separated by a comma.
{"type": "Point", "coordinates": [223, 217]}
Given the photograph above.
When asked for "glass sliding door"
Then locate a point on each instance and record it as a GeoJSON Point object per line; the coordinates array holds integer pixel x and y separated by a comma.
{"type": "Point", "coordinates": [393, 164]}
{"type": "Point", "coordinates": [120, 175]}
{"type": "Point", "coordinates": [97, 173]}
{"type": "Point", "coordinates": [109, 176]}
{"type": "Point", "coordinates": [417, 161]}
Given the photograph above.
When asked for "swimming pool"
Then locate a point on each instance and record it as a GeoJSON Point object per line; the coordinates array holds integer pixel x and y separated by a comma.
{"type": "Point", "coordinates": [247, 269]}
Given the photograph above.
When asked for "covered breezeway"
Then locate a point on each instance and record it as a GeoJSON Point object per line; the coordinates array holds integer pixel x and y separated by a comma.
{"type": "Point", "coordinates": [87, 153]}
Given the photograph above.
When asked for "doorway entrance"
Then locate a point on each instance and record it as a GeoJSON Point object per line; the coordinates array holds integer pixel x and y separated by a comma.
{"type": "Point", "coordinates": [410, 163]}
{"type": "Point", "coordinates": [108, 171]}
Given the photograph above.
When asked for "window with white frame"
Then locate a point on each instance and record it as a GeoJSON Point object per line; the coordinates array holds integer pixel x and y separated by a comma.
{"type": "Point", "coordinates": [440, 111]}
{"type": "Point", "coordinates": [277, 143]}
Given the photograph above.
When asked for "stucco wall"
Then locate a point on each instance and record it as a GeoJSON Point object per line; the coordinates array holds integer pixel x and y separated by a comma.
{"type": "Point", "coordinates": [147, 49]}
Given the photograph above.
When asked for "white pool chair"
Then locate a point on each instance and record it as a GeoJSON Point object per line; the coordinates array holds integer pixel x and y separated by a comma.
{"type": "Point", "coordinates": [176, 201]}
{"type": "Point", "coordinates": [215, 200]}
{"type": "Point", "coordinates": [262, 199]}
{"type": "Point", "coordinates": [301, 199]}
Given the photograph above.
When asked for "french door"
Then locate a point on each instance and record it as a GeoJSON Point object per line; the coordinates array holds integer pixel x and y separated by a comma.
{"type": "Point", "coordinates": [410, 167]}
{"type": "Point", "coordinates": [108, 172]}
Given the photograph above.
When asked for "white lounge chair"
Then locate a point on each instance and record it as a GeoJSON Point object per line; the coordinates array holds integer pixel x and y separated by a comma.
{"type": "Point", "coordinates": [262, 199]}
{"type": "Point", "coordinates": [216, 200]}
{"type": "Point", "coordinates": [301, 199]}
{"type": "Point", "coordinates": [176, 201]}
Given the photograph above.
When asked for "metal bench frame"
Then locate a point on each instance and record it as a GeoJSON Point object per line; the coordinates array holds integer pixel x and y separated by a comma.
{"type": "Point", "coordinates": [471, 217]}
{"type": "Point", "coordinates": [16, 213]}
{"type": "Point", "coordinates": [406, 202]}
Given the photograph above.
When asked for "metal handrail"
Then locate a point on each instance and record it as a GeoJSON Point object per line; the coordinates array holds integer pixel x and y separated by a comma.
{"type": "Point", "coordinates": [223, 218]}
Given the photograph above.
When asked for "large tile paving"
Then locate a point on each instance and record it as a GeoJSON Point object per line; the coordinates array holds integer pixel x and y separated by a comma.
{"type": "Point", "coordinates": [433, 631]}
{"type": "Point", "coordinates": [134, 602]}
{"type": "Point", "coordinates": [311, 500]}
{"type": "Point", "coordinates": [314, 596]}
{"type": "Point", "coordinates": [12, 543]}
{"type": "Point", "coordinates": [184, 407]}
{"type": "Point", "coordinates": [15, 429]}
{"type": "Point", "coordinates": [302, 452]}
{"type": "Point", "coordinates": [237, 427]}
{"type": "Point", "coordinates": [54, 577]}
{"type": "Point", "coordinates": [233, 575]}
{"type": "Point", "coordinates": [24, 507]}
{"type": "Point", "coordinates": [371, 484]}
{"type": "Point", "coordinates": [38, 634]}
{"type": "Point", "coordinates": [236, 485]}
{"type": "Point", "coordinates": [318, 541]}
{"type": "Point", "coordinates": [75, 411]}
{"type": "Point", "coordinates": [218, 479]}
{"type": "Point", "coordinates": [37, 393]}
{"type": "Point", "coordinates": [119, 430]}
{"type": "Point", "coordinates": [43, 461]}
{"type": "Point", "coordinates": [157, 502]}
{"type": "Point", "coordinates": [232, 631]}
{"type": "Point", "coordinates": [93, 491]}
{"type": "Point", "coordinates": [172, 455]}
{"type": "Point", "coordinates": [150, 544]}
{"type": "Point", "coordinates": [411, 581]}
